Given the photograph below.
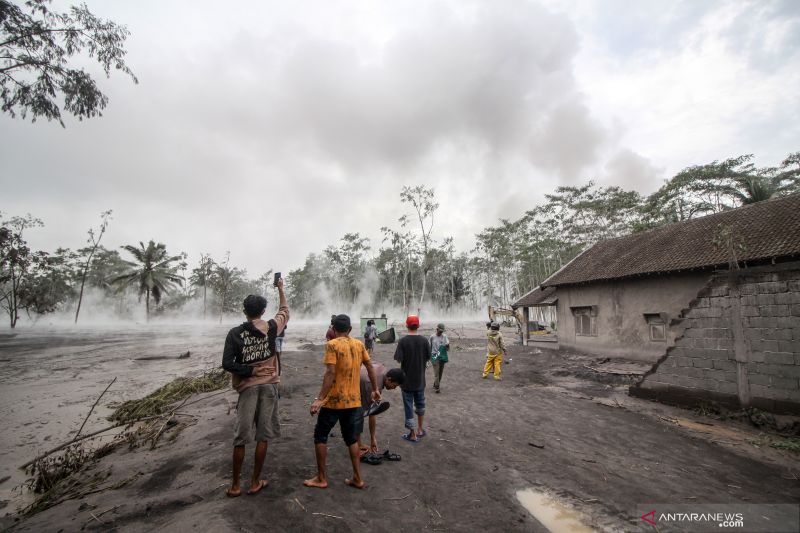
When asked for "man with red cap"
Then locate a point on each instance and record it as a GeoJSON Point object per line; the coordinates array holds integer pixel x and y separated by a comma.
{"type": "Point", "coordinates": [413, 352]}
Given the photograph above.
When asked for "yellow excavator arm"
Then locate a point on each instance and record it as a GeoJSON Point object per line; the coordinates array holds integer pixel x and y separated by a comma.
{"type": "Point", "coordinates": [495, 312]}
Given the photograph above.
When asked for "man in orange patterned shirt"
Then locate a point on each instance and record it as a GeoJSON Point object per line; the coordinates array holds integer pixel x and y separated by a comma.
{"type": "Point", "coordinates": [339, 399]}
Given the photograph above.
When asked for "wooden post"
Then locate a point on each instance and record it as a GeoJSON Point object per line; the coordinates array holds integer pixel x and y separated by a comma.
{"type": "Point", "coordinates": [526, 333]}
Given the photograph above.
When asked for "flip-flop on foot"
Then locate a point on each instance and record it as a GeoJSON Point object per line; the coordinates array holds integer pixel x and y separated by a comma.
{"type": "Point", "coordinates": [421, 434]}
{"type": "Point", "coordinates": [261, 484]}
{"type": "Point", "coordinates": [231, 494]}
{"type": "Point", "coordinates": [407, 437]}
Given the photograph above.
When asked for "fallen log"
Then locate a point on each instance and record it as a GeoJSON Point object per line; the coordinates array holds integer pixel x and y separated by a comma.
{"type": "Point", "coordinates": [184, 355]}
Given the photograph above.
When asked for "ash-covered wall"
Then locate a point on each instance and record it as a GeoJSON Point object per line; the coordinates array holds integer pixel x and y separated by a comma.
{"type": "Point", "coordinates": [740, 344]}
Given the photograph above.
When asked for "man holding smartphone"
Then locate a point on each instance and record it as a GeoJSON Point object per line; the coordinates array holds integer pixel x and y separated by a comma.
{"type": "Point", "coordinates": [250, 356]}
{"type": "Point", "coordinates": [282, 334]}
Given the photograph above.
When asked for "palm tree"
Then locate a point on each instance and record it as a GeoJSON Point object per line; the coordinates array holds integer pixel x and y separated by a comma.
{"type": "Point", "coordinates": [152, 271]}
{"type": "Point", "coordinates": [739, 180]}
{"type": "Point", "coordinates": [752, 189]}
{"type": "Point", "coordinates": [202, 276]}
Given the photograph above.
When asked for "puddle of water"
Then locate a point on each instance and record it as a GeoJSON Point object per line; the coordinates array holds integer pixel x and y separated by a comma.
{"type": "Point", "coordinates": [556, 517]}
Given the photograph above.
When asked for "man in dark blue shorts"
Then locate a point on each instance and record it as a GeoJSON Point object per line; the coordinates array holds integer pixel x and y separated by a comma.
{"type": "Point", "coordinates": [339, 400]}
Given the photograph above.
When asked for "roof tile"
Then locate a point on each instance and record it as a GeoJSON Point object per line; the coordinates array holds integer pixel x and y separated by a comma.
{"type": "Point", "coordinates": [537, 296]}
{"type": "Point", "coordinates": [761, 231]}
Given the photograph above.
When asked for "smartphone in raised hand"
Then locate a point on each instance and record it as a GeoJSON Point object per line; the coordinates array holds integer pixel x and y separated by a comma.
{"type": "Point", "coordinates": [277, 278]}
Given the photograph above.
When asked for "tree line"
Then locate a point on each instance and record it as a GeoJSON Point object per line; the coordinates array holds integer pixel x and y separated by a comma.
{"type": "Point", "coordinates": [413, 268]}
{"type": "Point", "coordinates": [35, 283]}
{"type": "Point", "coordinates": [416, 268]}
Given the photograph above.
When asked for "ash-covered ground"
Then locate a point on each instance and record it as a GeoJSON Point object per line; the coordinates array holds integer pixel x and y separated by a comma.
{"type": "Point", "coordinates": [557, 423]}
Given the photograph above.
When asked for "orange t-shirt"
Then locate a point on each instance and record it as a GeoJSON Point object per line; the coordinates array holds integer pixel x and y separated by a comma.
{"type": "Point", "coordinates": [347, 354]}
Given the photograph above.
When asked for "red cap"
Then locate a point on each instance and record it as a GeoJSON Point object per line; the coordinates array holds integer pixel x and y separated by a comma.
{"type": "Point", "coordinates": [412, 320]}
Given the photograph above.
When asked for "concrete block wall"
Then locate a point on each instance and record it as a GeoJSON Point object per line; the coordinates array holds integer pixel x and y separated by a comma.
{"type": "Point", "coordinates": [758, 366]}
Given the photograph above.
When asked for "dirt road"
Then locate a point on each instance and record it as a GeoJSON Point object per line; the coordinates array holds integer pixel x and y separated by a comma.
{"type": "Point", "coordinates": [581, 441]}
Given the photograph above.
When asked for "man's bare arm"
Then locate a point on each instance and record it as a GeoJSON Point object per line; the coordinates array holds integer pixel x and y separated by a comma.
{"type": "Point", "coordinates": [281, 295]}
{"type": "Point", "coordinates": [327, 383]}
{"type": "Point", "coordinates": [282, 316]}
{"type": "Point", "coordinates": [376, 393]}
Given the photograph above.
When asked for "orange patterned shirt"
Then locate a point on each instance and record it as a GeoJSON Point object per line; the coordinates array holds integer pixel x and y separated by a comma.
{"type": "Point", "coordinates": [347, 354]}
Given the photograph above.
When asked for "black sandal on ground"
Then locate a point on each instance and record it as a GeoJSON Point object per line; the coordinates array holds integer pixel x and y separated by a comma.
{"type": "Point", "coordinates": [372, 459]}
{"type": "Point", "coordinates": [390, 456]}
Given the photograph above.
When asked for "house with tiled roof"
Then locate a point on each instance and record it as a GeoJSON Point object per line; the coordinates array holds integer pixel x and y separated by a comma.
{"type": "Point", "coordinates": [722, 290]}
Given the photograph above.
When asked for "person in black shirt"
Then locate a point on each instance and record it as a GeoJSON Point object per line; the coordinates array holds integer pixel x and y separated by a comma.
{"type": "Point", "coordinates": [413, 352]}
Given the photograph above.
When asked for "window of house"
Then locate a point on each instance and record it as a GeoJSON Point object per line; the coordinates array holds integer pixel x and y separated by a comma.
{"type": "Point", "coordinates": [585, 320]}
{"type": "Point", "coordinates": [657, 326]}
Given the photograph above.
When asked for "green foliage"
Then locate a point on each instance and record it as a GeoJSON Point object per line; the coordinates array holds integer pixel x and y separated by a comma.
{"type": "Point", "coordinates": [397, 264]}
{"type": "Point", "coordinates": [229, 286]}
{"type": "Point", "coordinates": [36, 46]}
{"type": "Point", "coordinates": [333, 277]}
{"type": "Point", "coordinates": [705, 408]}
{"type": "Point", "coordinates": [106, 266]}
{"type": "Point", "coordinates": [410, 267]}
{"type": "Point", "coordinates": [303, 283]}
{"type": "Point", "coordinates": [717, 186]}
{"type": "Point", "coordinates": [69, 474]}
{"type": "Point", "coordinates": [201, 277]}
{"type": "Point", "coordinates": [18, 265]}
{"type": "Point", "coordinates": [449, 275]}
{"type": "Point", "coordinates": [423, 200]}
{"type": "Point", "coordinates": [792, 445]}
{"type": "Point", "coordinates": [589, 214]}
{"type": "Point", "coordinates": [348, 262]}
{"type": "Point", "coordinates": [515, 256]}
{"type": "Point", "coordinates": [496, 263]}
{"type": "Point", "coordinates": [40, 283]}
{"type": "Point", "coordinates": [159, 401]}
{"type": "Point", "coordinates": [49, 285]}
{"type": "Point", "coordinates": [729, 242]}
{"type": "Point", "coordinates": [153, 272]}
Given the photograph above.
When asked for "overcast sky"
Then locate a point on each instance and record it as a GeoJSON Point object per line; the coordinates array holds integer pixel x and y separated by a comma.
{"type": "Point", "coordinates": [270, 129]}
